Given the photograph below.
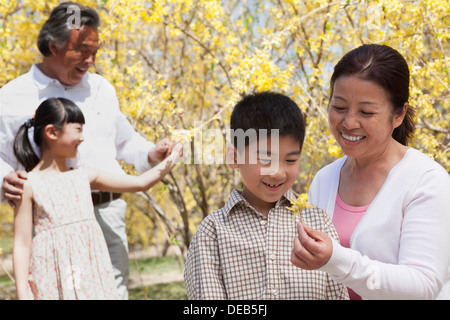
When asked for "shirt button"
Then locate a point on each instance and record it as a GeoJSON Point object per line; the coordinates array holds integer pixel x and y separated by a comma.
{"type": "Point", "coordinates": [275, 292]}
{"type": "Point", "coordinates": [273, 257]}
{"type": "Point", "coordinates": [263, 222]}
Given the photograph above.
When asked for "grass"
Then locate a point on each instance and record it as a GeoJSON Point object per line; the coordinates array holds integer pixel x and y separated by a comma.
{"type": "Point", "coordinates": [155, 264]}
{"type": "Point", "coordinates": [160, 291]}
{"type": "Point", "coordinates": [174, 290]}
{"type": "Point", "coordinates": [7, 289]}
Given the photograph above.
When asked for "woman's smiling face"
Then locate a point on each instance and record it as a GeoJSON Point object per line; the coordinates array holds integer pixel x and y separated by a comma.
{"type": "Point", "coordinates": [361, 117]}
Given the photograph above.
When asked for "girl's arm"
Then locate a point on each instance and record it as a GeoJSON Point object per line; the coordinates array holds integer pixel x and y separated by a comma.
{"type": "Point", "coordinates": [130, 183]}
{"type": "Point", "coordinates": [23, 226]}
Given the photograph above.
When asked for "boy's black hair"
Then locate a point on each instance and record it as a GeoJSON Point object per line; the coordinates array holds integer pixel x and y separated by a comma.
{"type": "Point", "coordinates": [268, 110]}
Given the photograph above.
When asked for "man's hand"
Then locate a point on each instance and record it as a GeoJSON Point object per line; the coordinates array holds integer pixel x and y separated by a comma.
{"type": "Point", "coordinates": [312, 248]}
{"type": "Point", "coordinates": [162, 149]}
{"type": "Point", "coordinates": [12, 186]}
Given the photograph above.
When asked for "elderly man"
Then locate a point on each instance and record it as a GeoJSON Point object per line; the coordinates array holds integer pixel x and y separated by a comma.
{"type": "Point", "coordinates": [68, 53]}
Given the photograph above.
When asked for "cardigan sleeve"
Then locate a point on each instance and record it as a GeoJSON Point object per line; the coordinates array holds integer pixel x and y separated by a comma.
{"type": "Point", "coordinates": [423, 253]}
{"type": "Point", "coordinates": [130, 146]}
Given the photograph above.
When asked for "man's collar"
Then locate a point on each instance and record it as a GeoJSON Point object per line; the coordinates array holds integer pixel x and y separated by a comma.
{"type": "Point", "coordinates": [43, 81]}
{"type": "Point", "coordinates": [236, 198]}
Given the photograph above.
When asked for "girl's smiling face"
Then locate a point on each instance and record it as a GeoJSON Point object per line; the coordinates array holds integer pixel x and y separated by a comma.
{"type": "Point", "coordinates": [361, 117]}
{"type": "Point", "coordinates": [69, 139]}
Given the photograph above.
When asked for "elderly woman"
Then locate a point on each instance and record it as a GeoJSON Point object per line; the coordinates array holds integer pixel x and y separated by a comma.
{"type": "Point", "coordinates": [390, 203]}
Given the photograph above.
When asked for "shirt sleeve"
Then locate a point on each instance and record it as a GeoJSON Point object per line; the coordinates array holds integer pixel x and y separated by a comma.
{"type": "Point", "coordinates": [8, 161]}
{"type": "Point", "coordinates": [203, 275]}
{"type": "Point", "coordinates": [131, 147]}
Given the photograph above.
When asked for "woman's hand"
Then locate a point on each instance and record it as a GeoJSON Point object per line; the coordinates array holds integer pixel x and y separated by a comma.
{"type": "Point", "coordinates": [312, 248]}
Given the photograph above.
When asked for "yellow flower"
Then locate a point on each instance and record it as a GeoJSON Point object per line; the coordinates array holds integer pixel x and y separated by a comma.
{"type": "Point", "coordinates": [182, 135]}
{"type": "Point", "coordinates": [299, 204]}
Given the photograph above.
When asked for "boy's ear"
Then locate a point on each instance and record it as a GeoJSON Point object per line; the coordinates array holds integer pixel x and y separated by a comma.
{"type": "Point", "coordinates": [51, 132]}
{"type": "Point", "coordinates": [231, 156]}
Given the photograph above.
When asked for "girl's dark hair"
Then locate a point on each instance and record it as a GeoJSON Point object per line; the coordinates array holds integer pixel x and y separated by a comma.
{"type": "Point", "coordinates": [268, 110]}
{"type": "Point", "coordinates": [55, 111]}
{"type": "Point", "coordinates": [57, 28]}
{"type": "Point", "coordinates": [387, 68]}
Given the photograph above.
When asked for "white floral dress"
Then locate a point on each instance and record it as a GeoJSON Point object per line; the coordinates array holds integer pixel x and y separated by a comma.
{"type": "Point", "coordinates": [69, 258]}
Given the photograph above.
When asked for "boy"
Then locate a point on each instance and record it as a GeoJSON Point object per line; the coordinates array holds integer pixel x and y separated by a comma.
{"type": "Point", "coordinates": [243, 250]}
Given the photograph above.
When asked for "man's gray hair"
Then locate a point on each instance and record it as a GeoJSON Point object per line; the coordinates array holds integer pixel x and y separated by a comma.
{"type": "Point", "coordinates": [57, 28]}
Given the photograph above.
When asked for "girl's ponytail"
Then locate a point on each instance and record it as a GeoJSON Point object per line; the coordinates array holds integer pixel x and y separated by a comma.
{"type": "Point", "coordinates": [54, 111]}
{"type": "Point", "coordinates": [23, 149]}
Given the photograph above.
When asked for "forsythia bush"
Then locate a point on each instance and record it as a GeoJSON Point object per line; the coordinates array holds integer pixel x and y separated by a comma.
{"type": "Point", "coordinates": [182, 64]}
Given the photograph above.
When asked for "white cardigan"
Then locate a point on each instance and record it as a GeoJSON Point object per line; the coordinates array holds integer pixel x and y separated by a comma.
{"type": "Point", "coordinates": [401, 247]}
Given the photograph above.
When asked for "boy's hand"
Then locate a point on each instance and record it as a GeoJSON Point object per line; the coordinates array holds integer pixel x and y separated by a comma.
{"type": "Point", "coordinates": [312, 248]}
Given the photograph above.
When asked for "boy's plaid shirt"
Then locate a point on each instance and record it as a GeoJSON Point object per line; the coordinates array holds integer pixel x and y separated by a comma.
{"type": "Point", "coordinates": [239, 253]}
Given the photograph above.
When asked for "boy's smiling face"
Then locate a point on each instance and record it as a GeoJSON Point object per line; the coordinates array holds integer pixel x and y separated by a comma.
{"type": "Point", "coordinates": [274, 172]}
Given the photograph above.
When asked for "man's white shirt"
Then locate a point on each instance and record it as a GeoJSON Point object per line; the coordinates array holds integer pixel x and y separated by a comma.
{"type": "Point", "coordinates": [108, 135]}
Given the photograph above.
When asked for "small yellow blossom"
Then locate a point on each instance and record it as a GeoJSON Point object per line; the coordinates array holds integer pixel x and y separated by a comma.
{"type": "Point", "coordinates": [182, 135]}
{"type": "Point", "coordinates": [299, 204]}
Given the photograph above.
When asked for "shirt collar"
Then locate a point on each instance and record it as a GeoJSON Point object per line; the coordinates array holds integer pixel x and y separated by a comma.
{"type": "Point", "coordinates": [42, 81]}
{"type": "Point", "coordinates": [237, 198]}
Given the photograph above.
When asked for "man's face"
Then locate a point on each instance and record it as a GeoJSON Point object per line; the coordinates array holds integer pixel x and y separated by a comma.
{"type": "Point", "coordinates": [77, 56]}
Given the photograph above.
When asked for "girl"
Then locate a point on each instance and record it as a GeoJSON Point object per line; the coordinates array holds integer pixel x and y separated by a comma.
{"type": "Point", "coordinates": [67, 258]}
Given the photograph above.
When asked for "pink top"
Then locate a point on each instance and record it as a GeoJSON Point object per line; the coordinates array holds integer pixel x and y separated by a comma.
{"type": "Point", "coordinates": [345, 220]}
